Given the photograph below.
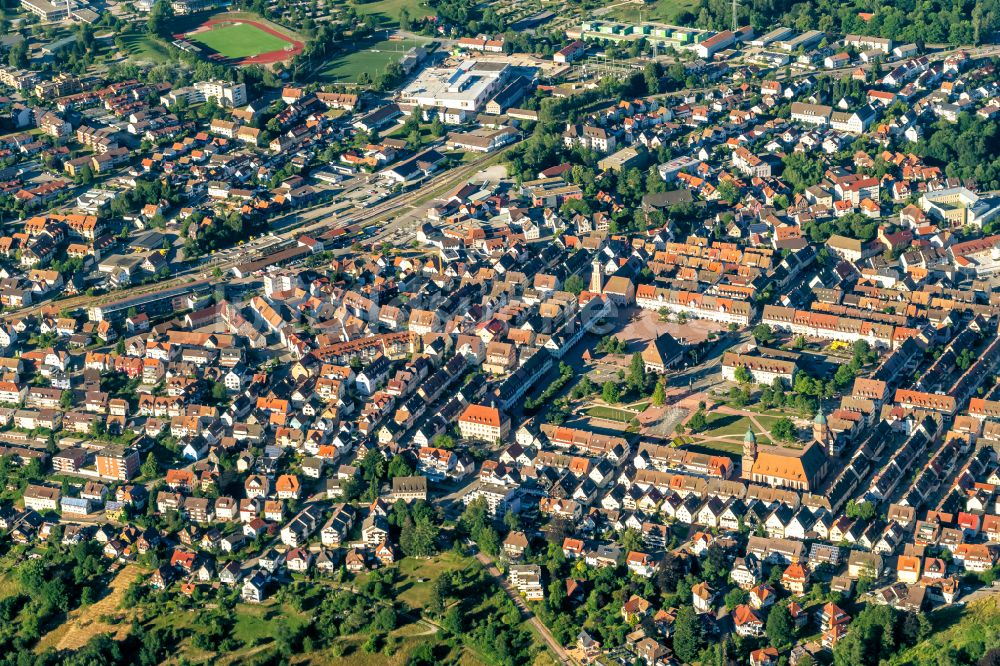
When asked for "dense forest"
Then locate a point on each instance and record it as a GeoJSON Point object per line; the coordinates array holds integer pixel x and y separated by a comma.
{"type": "Point", "coordinates": [968, 149]}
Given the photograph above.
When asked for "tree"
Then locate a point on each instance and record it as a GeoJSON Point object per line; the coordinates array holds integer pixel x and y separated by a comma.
{"type": "Point", "coordinates": [915, 628]}
{"type": "Point", "coordinates": [698, 422]}
{"type": "Point", "coordinates": [743, 375]}
{"type": "Point", "coordinates": [802, 171]}
{"type": "Point", "coordinates": [66, 400]}
{"type": "Point", "coordinates": [489, 541]}
{"type": "Point", "coordinates": [418, 538]}
{"type": "Point", "coordinates": [688, 639]}
{"type": "Point", "coordinates": [637, 372]}
{"type": "Point", "coordinates": [437, 127]}
{"type": "Point", "coordinates": [669, 573]}
{"type": "Point", "coordinates": [872, 636]}
{"type": "Point", "coordinates": [159, 18]}
{"type": "Point", "coordinates": [762, 333]}
{"type": "Point", "coordinates": [610, 392]}
{"type": "Point", "coordinates": [651, 74]}
{"type": "Point", "coordinates": [439, 593]}
{"type": "Point", "coordinates": [729, 191]}
{"type": "Point", "coordinates": [783, 429]}
{"type": "Point", "coordinates": [862, 353]}
{"type": "Point", "coordinates": [444, 441]}
{"type": "Point", "coordinates": [659, 394]}
{"type": "Point", "coordinates": [574, 284]}
{"type": "Point", "coordinates": [453, 621]}
{"type": "Point", "coordinates": [736, 597]}
{"type": "Point", "coordinates": [385, 619]}
{"type": "Point", "coordinates": [863, 510]}
{"type": "Point", "coordinates": [715, 565]}
{"type": "Point", "coordinates": [149, 468]}
{"type": "Point", "coordinates": [18, 56]}
{"type": "Point", "coordinates": [398, 466]}
{"type": "Point", "coordinates": [219, 392]}
{"type": "Point", "coordinates": [780, 629]}
{"type": "Point", "coordinates": [631, 540]}
{"type": "Point", "coordinates": [843, 377]}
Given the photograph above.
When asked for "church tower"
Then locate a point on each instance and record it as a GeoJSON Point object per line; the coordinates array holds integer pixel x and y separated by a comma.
{"type": "Point", "coordinates": [822, 434]}
{"type": "Point", "coordinates": [749, 454]}
{"type": "Point", "coordinates": [596, 277]}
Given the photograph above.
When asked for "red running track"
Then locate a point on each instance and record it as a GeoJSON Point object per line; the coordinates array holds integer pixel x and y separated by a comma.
{"type": "Point", "coordinates": [263, 58]}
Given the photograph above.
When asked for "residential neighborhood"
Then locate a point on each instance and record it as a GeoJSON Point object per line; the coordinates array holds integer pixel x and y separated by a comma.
{"type": "Point", "coordinates": [556, 338]}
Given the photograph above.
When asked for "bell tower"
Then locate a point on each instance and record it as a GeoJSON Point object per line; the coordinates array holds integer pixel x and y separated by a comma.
{"type": "Point", "coordinates": [822, 434]}
{"type": "Point", "coordinates": [749, 454]}
{"type": "Point", "coordinates": [596, 277]}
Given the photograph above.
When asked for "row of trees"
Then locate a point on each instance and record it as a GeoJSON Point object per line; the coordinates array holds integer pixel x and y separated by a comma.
{"type": "Point", "coordinates": [930, 22]}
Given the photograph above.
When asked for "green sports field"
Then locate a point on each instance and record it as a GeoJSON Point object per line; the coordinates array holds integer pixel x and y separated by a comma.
{"type": "Point", "coordinates": [371, 58]}
{"type": "Point", "coordinates": [236, 41]}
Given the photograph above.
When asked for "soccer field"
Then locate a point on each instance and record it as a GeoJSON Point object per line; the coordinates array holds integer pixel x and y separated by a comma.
{"type": "Point", "coordinates": [239, 40]}
{"type": "Point", "coordinates": [371, 58]}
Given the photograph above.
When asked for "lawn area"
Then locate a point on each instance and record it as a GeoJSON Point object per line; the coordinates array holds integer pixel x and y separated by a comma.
{"type": "Point", "coordinates": [240, 40]}
{"type": "Point", "coordinates": [725, 425]}
{"type": "Point", "coordinates": [731, 426]}
{"type": "Point", "coordinates": [417, 577]}
{"type": "Point", "coordinates": [716, 448]}
{"type": "Point", "coordinates": [401, 133]}
{"type": "Point", "coordinates": [253, 623]}
{"type": "Point", "coordinates": [387, 11]}
{"type": "Point", "coordinates": [970, 630]}
{"type": "Point", "coordinates": [662, 11]}
{"type": "Point", "coordinates": [611, 413]}
{"type": "Point", "coordinates": [371, 58]}
{"type": "Point", "coordinates": [144, 48]}
{"type": "Point", "coordinates": [9, 586]}
{"type": "Point", "coordinates": [767, 421]}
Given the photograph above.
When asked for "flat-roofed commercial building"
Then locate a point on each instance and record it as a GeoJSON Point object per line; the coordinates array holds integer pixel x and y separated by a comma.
{"type": "Point", "coordinates": [45, 10]}
{"type": "Point", "coordinates": [457, 92]}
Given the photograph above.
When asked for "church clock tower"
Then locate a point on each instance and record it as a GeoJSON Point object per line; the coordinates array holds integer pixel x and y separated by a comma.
{"type": "Point", "coordinates": [749, 454]}
{"type": "Point", "coordinates": [596, 277]}
{"type": "Point", "coordinates": [822, 434]}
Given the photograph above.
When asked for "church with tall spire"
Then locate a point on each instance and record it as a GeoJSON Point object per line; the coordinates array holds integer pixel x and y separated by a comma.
{"type": "Point", "coordinates": [782, 467]}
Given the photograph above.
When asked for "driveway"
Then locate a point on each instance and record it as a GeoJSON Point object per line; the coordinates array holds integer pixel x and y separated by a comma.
{"type": "Point", "coordinates": [550, 640]}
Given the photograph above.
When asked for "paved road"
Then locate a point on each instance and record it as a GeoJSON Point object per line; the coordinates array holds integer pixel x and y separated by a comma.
{"type": "Point", "coordinates": [550, 640]}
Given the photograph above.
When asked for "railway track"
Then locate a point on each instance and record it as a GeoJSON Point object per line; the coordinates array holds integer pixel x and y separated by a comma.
{"type": "Point", "coordinates": [308, 222]}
